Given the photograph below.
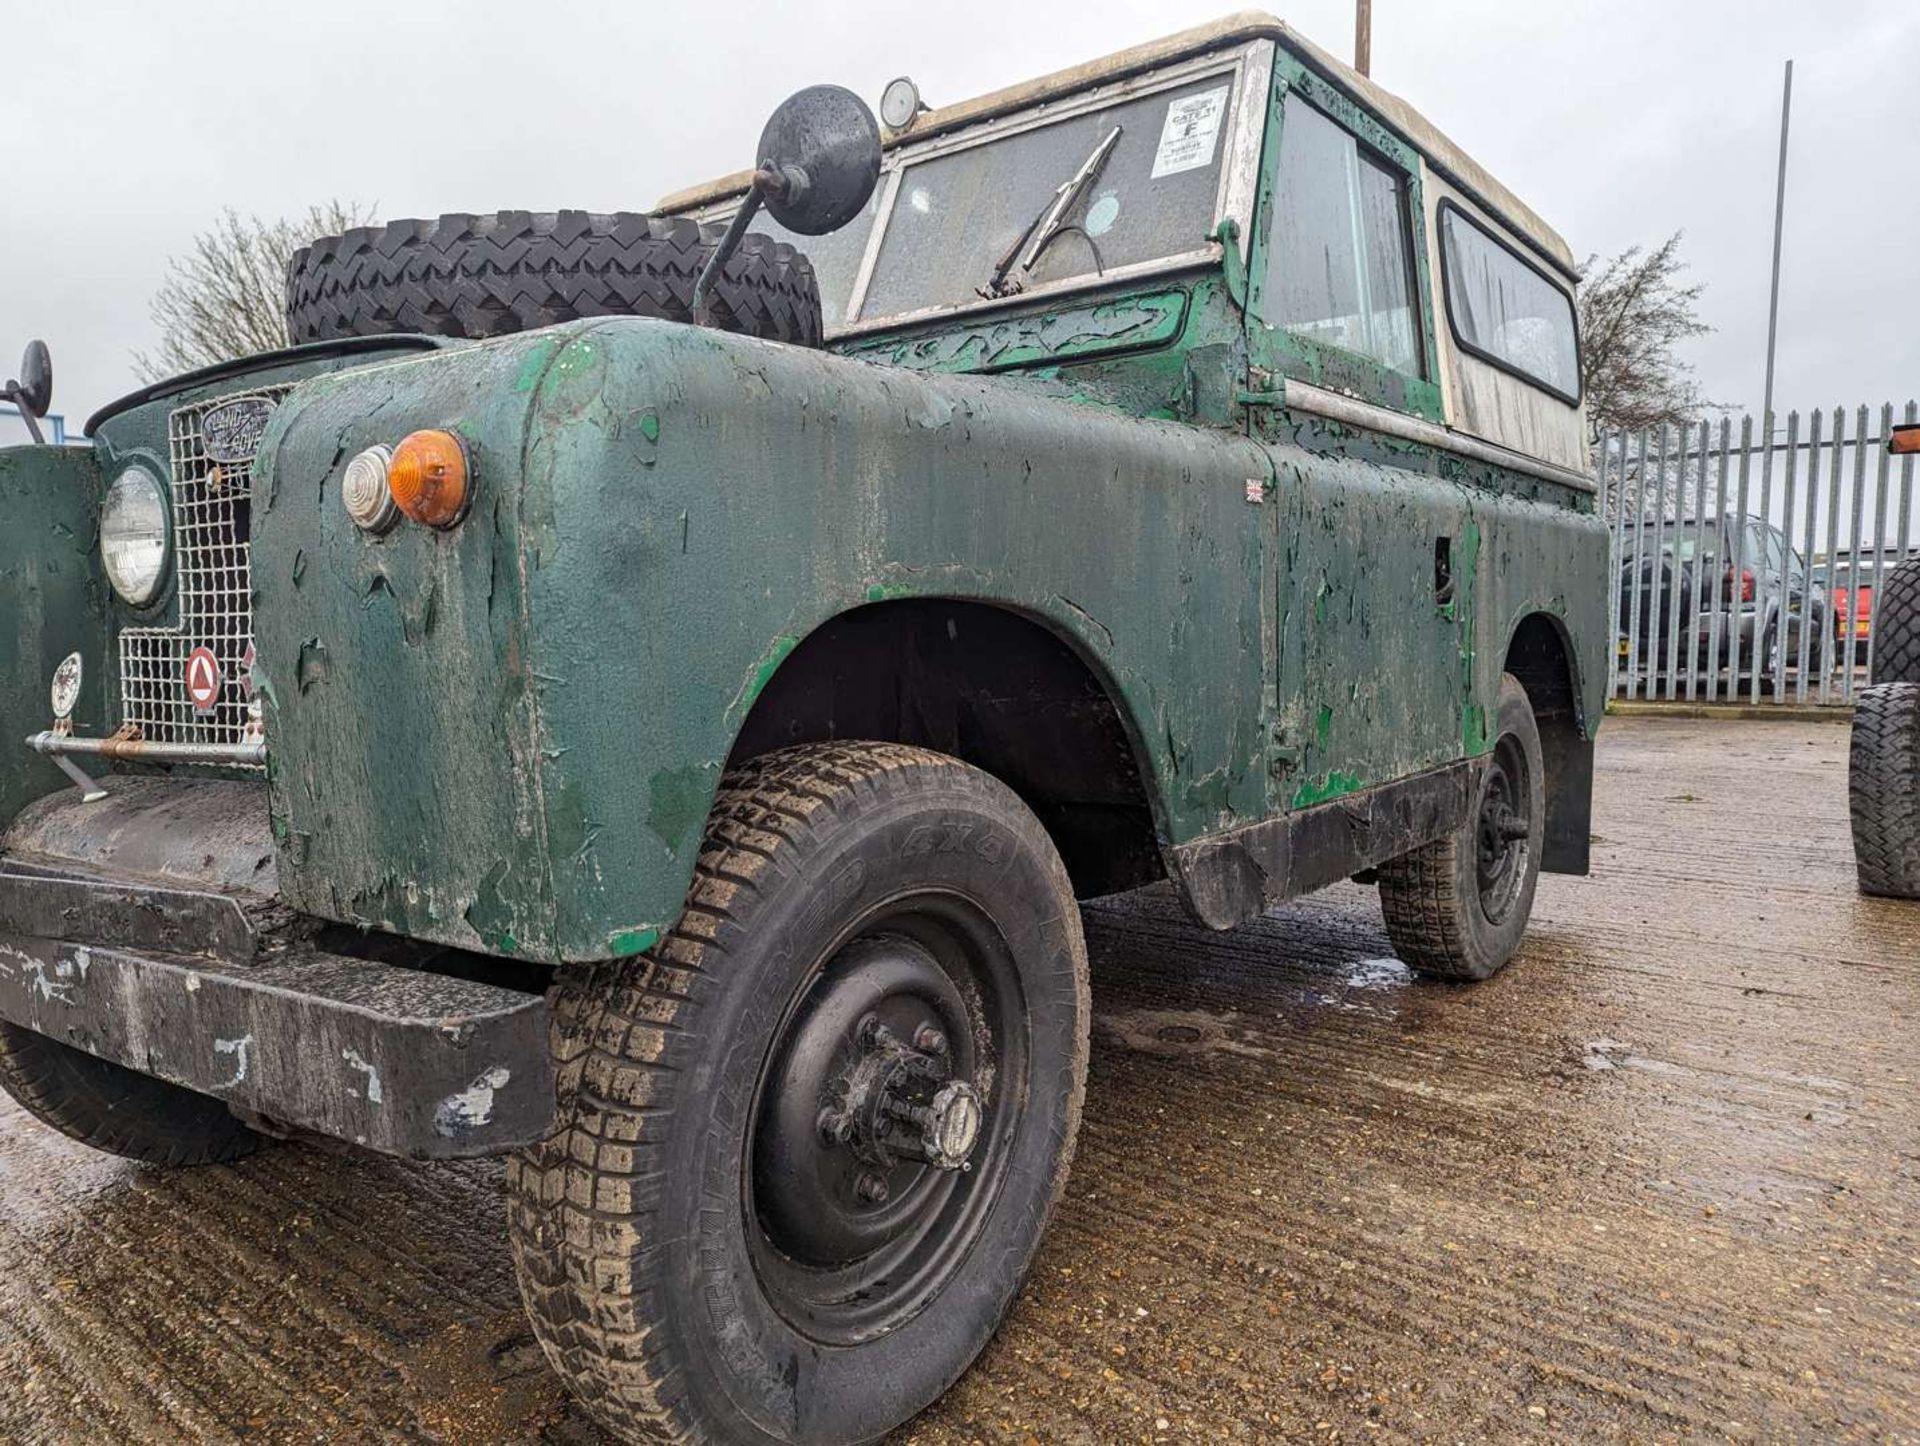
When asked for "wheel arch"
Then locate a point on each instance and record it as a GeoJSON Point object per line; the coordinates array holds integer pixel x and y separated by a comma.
{"type": "Point", "coordinates": [1541, 655]}
{"type": "Point", "coordinates": [999, 688]}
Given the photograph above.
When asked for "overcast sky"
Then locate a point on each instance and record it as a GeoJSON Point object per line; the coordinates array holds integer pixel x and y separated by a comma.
{"type": "Point", "coordinates": [129, 126]}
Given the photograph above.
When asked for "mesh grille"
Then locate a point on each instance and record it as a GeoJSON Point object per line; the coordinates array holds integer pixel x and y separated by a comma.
{"type": "Point", "coordinates": [212, 528]}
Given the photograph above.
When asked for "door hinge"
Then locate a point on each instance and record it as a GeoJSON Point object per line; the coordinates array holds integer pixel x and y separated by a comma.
{"type": "Point", "coordinates": [1261, 390]}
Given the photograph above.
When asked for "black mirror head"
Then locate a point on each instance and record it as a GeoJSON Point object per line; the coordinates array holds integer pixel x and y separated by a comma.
{"type": "Point", "coordinates": [823, 146]}
{"type": "Point", "coordinates": [34, 391]}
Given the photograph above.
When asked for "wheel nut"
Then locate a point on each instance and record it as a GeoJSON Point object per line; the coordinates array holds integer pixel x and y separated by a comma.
{"type": "Point", "coordinates": [931, 1040]}
{"type": "Point", "coordinates": [872, 1189]}
{"type": "Point", "coordinates": [834, 1127]}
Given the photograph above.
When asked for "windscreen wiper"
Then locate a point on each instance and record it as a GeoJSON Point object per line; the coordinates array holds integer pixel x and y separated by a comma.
{"type": "Point", "coordinates": [1049, 223]}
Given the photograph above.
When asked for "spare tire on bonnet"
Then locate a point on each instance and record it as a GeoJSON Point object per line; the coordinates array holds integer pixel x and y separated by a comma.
{"type": "Point", "coordinates": [481, 276]}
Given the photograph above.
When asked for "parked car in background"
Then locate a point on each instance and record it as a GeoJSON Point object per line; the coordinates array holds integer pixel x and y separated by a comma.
{"type": "Point", "coordinates": [1852, 592]}
{"type": "Point", "coordinates": [1731, 585]}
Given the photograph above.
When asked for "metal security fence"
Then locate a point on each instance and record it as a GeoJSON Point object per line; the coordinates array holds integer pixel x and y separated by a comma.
{"type": "Point", "coordinates": [1746, 567]}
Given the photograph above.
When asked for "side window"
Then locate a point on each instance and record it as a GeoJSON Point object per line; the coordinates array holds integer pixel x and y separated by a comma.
{"type": "Point", "coordinates": [1340, 255]}
{"type": "Point", "coordinates": [1504, 311]}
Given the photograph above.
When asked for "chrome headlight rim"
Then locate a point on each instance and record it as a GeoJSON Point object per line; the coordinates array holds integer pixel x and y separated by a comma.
{"type": "Point", "coordinates": [137, 591]}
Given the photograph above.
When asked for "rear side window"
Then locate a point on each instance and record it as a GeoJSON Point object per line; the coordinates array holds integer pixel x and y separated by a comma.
{"type": "Point", "coordinates": [1506, 312]}
{"type": "Point", "coordinates": [1340, 257]}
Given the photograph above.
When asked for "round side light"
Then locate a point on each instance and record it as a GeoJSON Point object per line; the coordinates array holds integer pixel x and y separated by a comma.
{"type": "Point", "coordinates": [430, 478]}
{"type": "Point", "coordinates": [365, 492]}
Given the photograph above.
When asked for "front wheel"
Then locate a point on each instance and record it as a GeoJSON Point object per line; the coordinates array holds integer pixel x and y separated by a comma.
{"type": "Point", "coordinates": [1457, 908]}
{"type": "Point", "coordinates": [807, 1145]}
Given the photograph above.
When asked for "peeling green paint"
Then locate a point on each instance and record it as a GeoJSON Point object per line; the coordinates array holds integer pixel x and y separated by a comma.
{"type": "Point", "coordinates": [1329, 786]}
{"type": "Point", "coordinates": [534, 364]}
{"type": "Point", "coordinates": [763, 671]}
{"type": "Point", "coordinates": [1466, 572]}
{"type": "Point", "coordinates": [53, 601]}
{"type": "Point", "coordinates": [677, 803]}
{"type": "Point", "coordinates": [628, 942]}
{"type": "Point", "coordinates": [1061, 334]}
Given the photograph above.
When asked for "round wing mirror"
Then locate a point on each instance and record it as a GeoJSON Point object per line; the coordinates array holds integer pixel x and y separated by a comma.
{"type": "Point", "coordinates": [34, 391]}
{"type": "Point", "coordinates": [822, 147]}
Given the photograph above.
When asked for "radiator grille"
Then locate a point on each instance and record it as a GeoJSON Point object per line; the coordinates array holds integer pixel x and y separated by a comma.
{"type": "Point", "coordinates": [212, 530]}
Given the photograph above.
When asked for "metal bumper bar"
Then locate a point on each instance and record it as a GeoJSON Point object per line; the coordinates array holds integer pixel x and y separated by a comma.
{"type": "Point", "coordinates": [401, 1061]}
{"type": "Point", "coordinates": [148, 930]}
{"type": "Point", "coordinates": [58, 745]}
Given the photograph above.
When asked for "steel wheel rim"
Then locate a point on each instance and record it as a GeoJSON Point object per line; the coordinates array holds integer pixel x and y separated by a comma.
{"type": "Point", "coordinates": [1503, 842]}
{"type": "Point", "coordinates": [840, 1265]}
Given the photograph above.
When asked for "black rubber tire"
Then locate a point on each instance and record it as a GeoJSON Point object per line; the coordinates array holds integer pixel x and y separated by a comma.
{"type": "Point", "coordinates": [1431, 897]}
{"type": "Point", "coordinates": [1883, 789]}
{"type": "Point", "coordinates": [482, 276]}
{"type": "Point", "coordinates": [635, 1254]}
{"type": "Point", "coordinates": [116, 1109]}
{"type": "Point", "coordinates": [1896, 624]}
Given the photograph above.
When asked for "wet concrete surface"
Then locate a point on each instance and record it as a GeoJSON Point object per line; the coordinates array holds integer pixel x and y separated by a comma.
{"type": "Point", "coordinates": [1659, 1181]}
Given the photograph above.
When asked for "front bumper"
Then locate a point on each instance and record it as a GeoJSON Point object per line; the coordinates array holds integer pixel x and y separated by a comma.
{"type": "Point", "coordinates": [146, 929]}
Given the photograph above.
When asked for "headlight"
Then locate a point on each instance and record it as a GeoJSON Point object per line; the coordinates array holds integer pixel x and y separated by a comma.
{"type": "Point", "coordinates": [133, 535]}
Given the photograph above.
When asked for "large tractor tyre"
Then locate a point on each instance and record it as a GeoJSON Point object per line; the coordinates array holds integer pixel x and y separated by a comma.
{"type": "Point", "coordinates": [1457, 908]}
{"type": "Point", "coordinates": [808, 1143]}
{"type": "Point", "coordinates": [116, 1109]}
{"type": "Point", "coordinates": [1896, 624]}
{"type": "Point", "coordinates": [481, 276]}
{"type": "Point", "coordinates": [1883, 789]}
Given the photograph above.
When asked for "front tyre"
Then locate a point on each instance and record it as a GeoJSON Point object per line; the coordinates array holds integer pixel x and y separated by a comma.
{"type": "Point", "coordinates": [1457, 908]}
{"type": "Point", "coordinates": [808, 1144]}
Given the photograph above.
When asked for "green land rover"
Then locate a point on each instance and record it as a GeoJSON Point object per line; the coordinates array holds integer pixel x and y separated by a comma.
{"type": "Point", "coordinates": [518, 720]}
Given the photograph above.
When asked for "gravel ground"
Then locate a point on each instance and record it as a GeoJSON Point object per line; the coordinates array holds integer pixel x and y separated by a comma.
{"type": "Point", "coordinates": [1659, 1181]}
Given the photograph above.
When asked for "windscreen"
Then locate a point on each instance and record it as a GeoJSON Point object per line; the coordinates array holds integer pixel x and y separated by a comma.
{"type": "Point", "coordinates": [1153, 196]}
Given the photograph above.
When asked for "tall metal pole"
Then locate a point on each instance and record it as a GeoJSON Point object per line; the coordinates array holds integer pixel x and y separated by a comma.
{"type": "Point", "coordinates": [1779, 215]}
{"type": "Point", "coordinates": [1363, 36]}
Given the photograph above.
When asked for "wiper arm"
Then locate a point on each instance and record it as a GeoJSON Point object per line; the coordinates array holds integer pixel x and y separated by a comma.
{"type": "Point", "coordinates": [1040, 232]}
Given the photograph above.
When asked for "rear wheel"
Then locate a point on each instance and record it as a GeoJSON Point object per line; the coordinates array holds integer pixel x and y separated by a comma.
{"type": "Point", "coordinates": [116, 1109]}
{"type": "Point", "coordinates": [1883, 789]}
{"type": "Point", "coordinates": [1457, 908]}
{"type": "Point", "coordinates": [809, 1143]}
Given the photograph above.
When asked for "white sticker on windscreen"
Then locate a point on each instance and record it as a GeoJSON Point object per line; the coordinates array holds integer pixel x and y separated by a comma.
{"type": "Point", "coordinates": [1186, 140]}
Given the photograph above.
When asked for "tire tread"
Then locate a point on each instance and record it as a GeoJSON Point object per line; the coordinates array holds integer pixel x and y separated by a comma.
{"type": "Point", "coordinates": [1883, 789]}
{"type": "Point", "coordinates": [477, 276]}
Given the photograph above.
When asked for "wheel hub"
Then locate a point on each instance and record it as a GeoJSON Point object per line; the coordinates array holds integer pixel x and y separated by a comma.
{"type": "Point", "coordinates": [898, 1102]}
{"type": "Point", "coordinates": [871, 1112]}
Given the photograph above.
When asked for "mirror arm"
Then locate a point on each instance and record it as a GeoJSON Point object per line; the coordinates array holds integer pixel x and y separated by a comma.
{"type": "Point", "coordinates": [12, 393]}
{"type": "Point", "coordinates": [768, 180]}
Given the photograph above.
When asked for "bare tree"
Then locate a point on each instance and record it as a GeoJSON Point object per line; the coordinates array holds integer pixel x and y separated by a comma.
{"type": "Point", "coordinates": [227, 297]}
{"type": "Point", "coordinates": [1634, 310]}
